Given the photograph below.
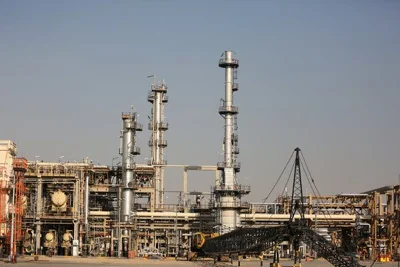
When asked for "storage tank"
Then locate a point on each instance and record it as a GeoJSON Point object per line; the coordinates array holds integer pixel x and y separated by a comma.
{"type": "Point", "coordinates": [50, 242]}
{"type": "Point", "coordinates": [49, 237]}
{"type": "Point", "coordinates": [66, 239]}
{"type": "Point", "coordinates": [28, 241]}
{"type": "Point", "coordinates": [58, 201]}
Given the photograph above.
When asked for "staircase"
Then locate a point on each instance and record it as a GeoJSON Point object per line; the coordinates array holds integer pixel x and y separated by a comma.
{"type": "Point", "coordinates": [335, 255]}
{"type": "Point", "coordinates": [245, 240]}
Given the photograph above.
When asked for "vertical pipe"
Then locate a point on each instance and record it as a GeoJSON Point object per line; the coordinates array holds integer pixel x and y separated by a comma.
{"type": "Point", "coordinates": [127, 193]}
{"type": "Point", "coordinates": [87, 203]}
{"type": "Point", "coordinates": [162, 148]}
{"type": "Point", "coordinates": [228, 218]}
{"type": "Point", "coordinates": [38, 230]}
{"type": "Point", "coordinates": [161, 184]}
{"type": "Point", "coordinates": [128, 141]}
{"type": "Point", "coordinates": [185, 196]}
{"type": "Point", "coordinates": [76, 229]}
{"type": "Point", "coordinates": [121, 143]}
{"type": "Point", "coordinates": [228, 116]}
{"type": "Point", "coordinates": [38, 212]}
{"type": "Point", "coordinates": [119, 240]}
{"type": "Point", "coordinates": [158, 102]}
{"type": "Point", "coordinates": [12, 222]}
{"type": "Point", "coordinates": [157, 148]}
{"type": "Point", "coordinates": [76, 209]}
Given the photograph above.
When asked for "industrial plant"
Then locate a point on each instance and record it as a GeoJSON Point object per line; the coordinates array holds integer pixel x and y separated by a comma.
{"type": "Point", "coordinates": [85, 209]}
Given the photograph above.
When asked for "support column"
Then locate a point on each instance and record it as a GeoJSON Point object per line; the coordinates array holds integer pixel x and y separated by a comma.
{"type": "Point", "coordinates": [185, 196]}
{"type": "Point", "coordinates": [112, 243]}
{"type": "Point", "coordinates": [38, 237]}
{"type": "Point", "coordinates": [76, 229]}
{"type": "Point", "coordinates": [38, 212]}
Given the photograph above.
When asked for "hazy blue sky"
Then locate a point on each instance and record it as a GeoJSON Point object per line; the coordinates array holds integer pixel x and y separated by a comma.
{"type": "Point", "coordinates": [321, 75]}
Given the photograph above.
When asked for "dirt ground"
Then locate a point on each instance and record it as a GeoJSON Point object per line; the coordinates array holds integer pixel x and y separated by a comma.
{"type": "Point", "coordinates": [95, 262]}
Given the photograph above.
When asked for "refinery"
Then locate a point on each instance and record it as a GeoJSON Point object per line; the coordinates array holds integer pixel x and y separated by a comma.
{"type": "Point", "coordinates": [83, 209]}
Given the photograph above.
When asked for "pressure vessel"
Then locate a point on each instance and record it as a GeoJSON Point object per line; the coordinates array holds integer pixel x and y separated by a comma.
{"type": "Point", "coordinates": [49, 237]}
{"type": "Point", "coordinates": [66, 237]}
{"type": "Point", "coordinates": [58, 198]}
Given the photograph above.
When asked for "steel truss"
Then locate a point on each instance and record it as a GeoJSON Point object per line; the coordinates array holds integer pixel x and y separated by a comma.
{"type": "Point", "coordinates": [245, 240]}
{"type": "Point", "coordinates": [258, 240]}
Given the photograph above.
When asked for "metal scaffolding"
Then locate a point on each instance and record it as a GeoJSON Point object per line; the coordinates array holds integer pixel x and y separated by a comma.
{"type": "Point", "coordinates": [20, 166]}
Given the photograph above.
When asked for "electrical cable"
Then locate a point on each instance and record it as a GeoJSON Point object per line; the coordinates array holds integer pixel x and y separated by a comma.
{"type": "Point", "coordinates": [276, 183]}
{"type": "Point", "coordinates": [319, 194]}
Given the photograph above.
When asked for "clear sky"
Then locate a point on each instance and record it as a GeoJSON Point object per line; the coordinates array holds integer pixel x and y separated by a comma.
{"type": "Point", "coordinates": [321, 75]}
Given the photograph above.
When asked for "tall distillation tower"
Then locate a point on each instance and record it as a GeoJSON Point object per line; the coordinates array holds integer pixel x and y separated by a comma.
{"type": "Point", "coordinates": [128, 150]}
{"type": "Point", "coordinates": [227, 191]}
{"type": "Point", "coordinates": [158, 143]}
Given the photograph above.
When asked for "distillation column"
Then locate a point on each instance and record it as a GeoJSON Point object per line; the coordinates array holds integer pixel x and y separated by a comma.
{"type": "Point", "coordinates": [157, 96]}
{"type": "Point", "coordinates": [227, 191]}
{"type": "Point", "coordinates": [128, 151]}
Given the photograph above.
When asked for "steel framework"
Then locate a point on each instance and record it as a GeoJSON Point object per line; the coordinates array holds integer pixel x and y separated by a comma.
{"type": "Point", "coordinates": [257, 240]}
{"type": "Point", "coordinates": [20, 166]}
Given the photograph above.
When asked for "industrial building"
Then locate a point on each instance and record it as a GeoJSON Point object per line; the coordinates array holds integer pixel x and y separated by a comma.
{"type": "Point", "coordinates": [80, 208]}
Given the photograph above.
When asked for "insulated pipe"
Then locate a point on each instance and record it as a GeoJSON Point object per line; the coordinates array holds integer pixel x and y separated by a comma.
{"type": "Point", "coordinates": [128, 142]}
{"type": "Point", "coordinates": [228, 116]}
{"type": "Point", "coordinates": [12, 222]}
{"type": "Point", "coordinates": [87, 202]}
{"type": "Point", "coordinates": [228, 218]}
{"type": "Point", "coordinates": [158, 103]}
{"type": "Point", "coordinates": [185, 190]}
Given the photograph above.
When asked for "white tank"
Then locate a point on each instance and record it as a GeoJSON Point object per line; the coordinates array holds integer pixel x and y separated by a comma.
{"type": "Point", "coordinates": [58, 198]}
{"type": "Point", "coordinates": [49, 237]}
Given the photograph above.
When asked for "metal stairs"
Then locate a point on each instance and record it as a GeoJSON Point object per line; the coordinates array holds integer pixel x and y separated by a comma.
{"type": "Point", "coordinates": [333, 254]}
{"type": "Point", "coordinates": [245, 241]}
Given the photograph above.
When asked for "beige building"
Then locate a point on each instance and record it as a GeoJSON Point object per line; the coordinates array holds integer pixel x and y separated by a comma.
{"type": "Point", "coordinates": [8, 150]}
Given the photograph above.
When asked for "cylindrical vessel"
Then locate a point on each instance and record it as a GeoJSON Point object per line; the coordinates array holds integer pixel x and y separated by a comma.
{"type": "Point", "coordinates": [58, 198]}
{"type": "Point", "coordinates": [49, 237]}
{"type": "Point", "coordinates": [128, 142]}
{"type": "Point", "coordinates": [66, 237]}
{"type": "Point", "coordinates": [228, 201]}
{"type": "Point", "coordinates": [228, 116]}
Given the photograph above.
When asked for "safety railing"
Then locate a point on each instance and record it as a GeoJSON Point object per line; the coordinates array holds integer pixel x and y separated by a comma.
{"type": "Point", "coordinates": [238, 188]}
{"type": "Point", "coordinates": [163, 126]}
{"type": "Point", "coordinates": [232, 62]}
{"type": "Point", "coordinates": [20, 164]}
{"type": "Point", "coordinates": [228, 109]}
{"type": "Point", "coordinates": [136, 150]}
{"type": "Point", "coordinates": [159, 88]}
{"type": "Point", "coordinates": [162, 142]}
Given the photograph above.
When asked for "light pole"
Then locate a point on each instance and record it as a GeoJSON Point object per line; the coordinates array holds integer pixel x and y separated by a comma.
{"type": "Point", "coordinates": [112, 162]}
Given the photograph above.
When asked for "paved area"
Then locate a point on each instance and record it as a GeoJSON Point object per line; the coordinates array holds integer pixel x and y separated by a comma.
{"type": "Point", "coordinates": [113, 262]}
{"type": "Point", "coordinates": [315, 263]}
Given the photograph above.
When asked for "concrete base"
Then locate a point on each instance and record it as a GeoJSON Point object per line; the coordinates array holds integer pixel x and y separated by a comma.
{"type": "Point", "coordinates": [297, 265]}
{"type": "Point", "coordinates": [276, 264]}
